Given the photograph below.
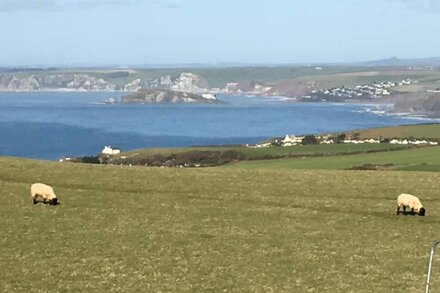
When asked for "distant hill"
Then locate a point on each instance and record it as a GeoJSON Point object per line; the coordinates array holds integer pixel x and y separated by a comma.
{"type": "Point", "coordinates": [395, 61]}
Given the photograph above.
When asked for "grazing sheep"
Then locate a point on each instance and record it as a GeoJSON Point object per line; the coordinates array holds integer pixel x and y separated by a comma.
{"type": "Point", "coordinates": [45, 192]}
{"type": "Point", "coordinates": [407, 200]}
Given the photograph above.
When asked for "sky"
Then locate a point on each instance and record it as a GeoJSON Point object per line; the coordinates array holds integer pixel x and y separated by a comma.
{"type": "Point", "coordinates": [149, 32]}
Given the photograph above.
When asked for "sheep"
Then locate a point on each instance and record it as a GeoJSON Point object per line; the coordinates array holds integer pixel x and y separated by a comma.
{"type": "Point", "coordinates": [407, 200]}
{"type": "Point", "coordinates": [44, 191]}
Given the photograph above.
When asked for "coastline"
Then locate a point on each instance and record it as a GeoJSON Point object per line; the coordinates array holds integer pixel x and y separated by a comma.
{"type": "Point", "coordinates": [379, 108]}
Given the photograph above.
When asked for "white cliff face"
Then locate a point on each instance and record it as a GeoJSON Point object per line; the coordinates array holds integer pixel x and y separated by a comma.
{"type": "Point", "coordinates": [133, 86]}
{"type": "Point", "coordinates": [166, 81]}
{"type": "Point", "coordinates": [14, 84]}
{"type": "Point", "coordinates": [30, 83]}
{"type": "Point", "coordinates": [81, 82]}
{"type": "Point", "coordinates": [249, 88]}
{"type": "Point", "coordinates": [188, 82]}
{"type": "Point", "coordinates": [185, 82]}
{"type": "Point", "coordinates": [89, 83]}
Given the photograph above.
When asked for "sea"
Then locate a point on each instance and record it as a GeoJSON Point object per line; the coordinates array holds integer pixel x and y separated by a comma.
{"type": "Point", "coordinates": [52, 125]}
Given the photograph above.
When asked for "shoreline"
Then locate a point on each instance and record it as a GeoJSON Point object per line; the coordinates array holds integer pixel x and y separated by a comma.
{"type": "Point", "coordinates": [382, 108]}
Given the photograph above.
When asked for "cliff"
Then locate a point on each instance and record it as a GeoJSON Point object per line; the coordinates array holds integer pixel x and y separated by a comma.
{"type": "Point", "coordinates": [73, 82]}
{"type": "Point", "coordinates": [426, 105]}
{"type": "Point", "coordinates": [153, 96]}
{"type": "Point", "coordinates": [133, 81]}
{"type": "Point", "coordinates": [184, 82]}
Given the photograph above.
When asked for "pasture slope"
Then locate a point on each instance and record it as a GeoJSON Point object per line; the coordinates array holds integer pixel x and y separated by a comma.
{"type": "Point", "coordinates": [137, 229]}
{"type": "Point", "coordinates": [404, 131]}
{"type": "Point", "coordinates": [416, 159]}
{"type": "Point", "coordinates": [337, 156]}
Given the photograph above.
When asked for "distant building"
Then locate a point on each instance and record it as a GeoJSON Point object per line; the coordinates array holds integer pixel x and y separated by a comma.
{"type": "Point", "coordinates": [108, 150]}
{"type": "Point", "coordinates": [292, 140]}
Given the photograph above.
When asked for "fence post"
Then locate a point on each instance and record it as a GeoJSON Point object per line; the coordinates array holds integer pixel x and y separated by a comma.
{"type": "Point", "coordinates": [431, 256]}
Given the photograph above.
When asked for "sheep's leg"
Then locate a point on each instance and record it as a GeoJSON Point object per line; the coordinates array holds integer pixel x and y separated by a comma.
{"type": "Point", "coordinates": [398, 210]}
{"type": "Point", "coordinates": [34, 198]}
{"type": "Point", "coordinates": [404, 209]}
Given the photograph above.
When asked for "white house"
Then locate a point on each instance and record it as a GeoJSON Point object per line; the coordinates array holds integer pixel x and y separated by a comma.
{"type": "Point", "coordinates": [372, 140]}
{"type": "Point", "coordinates": [108, 150]}
{"type": "Point", "coordinates": [327, 141]}
{"type": "Point", "coordinates": [292, 140]}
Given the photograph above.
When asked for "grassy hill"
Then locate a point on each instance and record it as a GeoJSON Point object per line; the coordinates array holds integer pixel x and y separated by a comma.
{"type": "Point", "coordinates": [214, 156]}
{"type": "Point", "coordinates": [196, 230]}
{"type": "Point", "coordinates": [333, 156]}
{"type": "Point", "coordinates": [404, 131]}
{"type": "Point", "coordinates": [418, 159]}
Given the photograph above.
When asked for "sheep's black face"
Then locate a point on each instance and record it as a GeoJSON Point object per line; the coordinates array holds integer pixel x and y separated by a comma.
{"type": "Point", "coordinates": [422, 212]}
{"type": "Point", "coordinates": [54, 201]}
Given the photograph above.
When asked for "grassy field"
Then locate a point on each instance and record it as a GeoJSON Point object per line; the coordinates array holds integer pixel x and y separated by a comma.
{"type": "Point", "coordinates": [272, 152]}
{"type": "Point", "coordinates": [404, 131]}
{"type": "Point", "coordinates": [419, 159]}
{"type": "Point", "coordinates": [130, 229]}
{"type": "Point", "coordinates": [429, 79]}
{"type": "Point", "coordinates": [333, 156]}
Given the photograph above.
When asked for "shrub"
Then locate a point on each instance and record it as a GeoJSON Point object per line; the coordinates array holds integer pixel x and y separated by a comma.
{"type": "Point", "coordinates": [309, 139]}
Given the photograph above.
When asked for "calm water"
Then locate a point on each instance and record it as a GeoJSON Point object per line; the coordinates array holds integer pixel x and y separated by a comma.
{"type": "Point", "coordinates": [52, 125]}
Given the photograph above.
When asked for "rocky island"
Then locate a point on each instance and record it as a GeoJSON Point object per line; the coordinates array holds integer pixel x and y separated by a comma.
{"type": "Point", "coordinates": [155, 96]}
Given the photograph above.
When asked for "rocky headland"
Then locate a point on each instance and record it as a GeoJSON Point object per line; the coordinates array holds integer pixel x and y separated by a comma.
{"type": "Point", "coordinates": [184, 82]}
{"type": "Point", "coordinates": [155, 96]}
{"type": "Point", "coordinates": [426, 105]}
{"type": "Point", "coordinates": [58, 82]}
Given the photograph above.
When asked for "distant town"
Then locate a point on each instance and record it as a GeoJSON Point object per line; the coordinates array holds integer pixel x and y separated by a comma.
{"type": "Point", "coordinates": [292, 140]}
{"type": "Point", "coordinates": [366, 91]}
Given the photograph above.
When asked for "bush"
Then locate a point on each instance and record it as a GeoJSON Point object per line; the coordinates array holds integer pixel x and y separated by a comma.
{"type": "Point", "coordinates": [340, 138]}
{"type": "Point", "coordinates": [90, 160]}
{"type": "Point", "coordinates": [309, 139]}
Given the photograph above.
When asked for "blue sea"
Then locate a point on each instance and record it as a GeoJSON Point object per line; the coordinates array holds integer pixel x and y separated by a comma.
{"type": "Point", "coordinates": [57, 124]}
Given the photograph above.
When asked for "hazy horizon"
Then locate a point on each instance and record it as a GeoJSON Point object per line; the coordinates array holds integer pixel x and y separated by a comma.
{"type": "Point", "coordinates": [225, 64]}
{"type": "Point", "coordinates": [87, 33]}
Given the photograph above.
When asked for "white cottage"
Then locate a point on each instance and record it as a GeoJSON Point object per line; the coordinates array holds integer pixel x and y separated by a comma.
{"type": "Point", "coordinates": [292, 140]}
{"type": "Point", "coordinates": [108, 150]}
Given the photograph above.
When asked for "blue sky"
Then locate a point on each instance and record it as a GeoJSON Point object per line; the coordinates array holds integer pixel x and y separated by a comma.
{"type": "Point", "coordinates": [134, 32]}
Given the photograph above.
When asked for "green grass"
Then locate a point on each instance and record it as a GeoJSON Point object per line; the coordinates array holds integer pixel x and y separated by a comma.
{"type": "Point", "coordinates": [272, 152]}
{"type": "Point", "coordinates": [418, 131]}
{"type": "Point", "coordinates": [419, 159]}
{"type": "Point", "coordinates": [122, 229]}
{"type": "Point", "coordinates": [372, 75]}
